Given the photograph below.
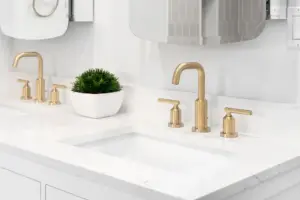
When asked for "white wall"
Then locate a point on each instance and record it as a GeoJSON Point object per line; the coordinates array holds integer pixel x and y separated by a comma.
{"type": "Point", "coordinates": [5, 49]}
{"type": "Point", "coordinates": [5, 54]}
{"type": "Point", "coordinates": [262, 69]}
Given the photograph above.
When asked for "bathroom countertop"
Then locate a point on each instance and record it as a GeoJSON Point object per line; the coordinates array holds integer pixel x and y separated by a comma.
{"type": "Point", "coordinates": [43, 133]}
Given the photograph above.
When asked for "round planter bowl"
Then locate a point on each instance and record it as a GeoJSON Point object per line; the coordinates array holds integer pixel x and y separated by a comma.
{"type": "Point", "coordinates": [97, 105]}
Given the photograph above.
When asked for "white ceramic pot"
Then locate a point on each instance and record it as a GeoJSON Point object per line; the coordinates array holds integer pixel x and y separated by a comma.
{"type": "Point", "coordinates": [97, 105]}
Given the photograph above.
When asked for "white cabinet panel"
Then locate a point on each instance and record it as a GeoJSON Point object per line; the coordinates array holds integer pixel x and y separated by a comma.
{"type": "Point", "coordinates": [17, 187]}
{"type": "Point", "coordinates": [290, 194]}
{"type": "Point", "coordinates": [56, 194]}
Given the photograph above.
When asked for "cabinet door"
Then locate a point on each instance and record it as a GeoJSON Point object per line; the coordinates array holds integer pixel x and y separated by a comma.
{"type": "Point", "coordinates": [57, 194]}
{"type": "Point", "coordinates": [17, 187]}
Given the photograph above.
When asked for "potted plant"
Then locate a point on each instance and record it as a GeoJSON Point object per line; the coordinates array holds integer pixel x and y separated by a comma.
{"type": "Point", "coordinates": [96, 93]}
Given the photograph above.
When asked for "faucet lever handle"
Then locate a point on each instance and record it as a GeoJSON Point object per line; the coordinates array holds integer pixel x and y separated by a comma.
{"type": "Point", "coordinates": [230, 111]}
{"type": "Point", "coordinates": [175, 113]}
{"type": "Point", "coordinates": [54, 94]}
{"type": "Point", "coordinates": [54, 86]}
{"type": "Point", "coordinates": [26, 91]}
{"type": "Point", "coordinates": [23, 81]}
{"type": "Point", "coordinates": [229, 122]}
{"type": "Point", "coordinates": [169, 101]}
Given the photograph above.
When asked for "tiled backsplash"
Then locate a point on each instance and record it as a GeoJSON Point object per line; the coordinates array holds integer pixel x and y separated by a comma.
{"type": "Point", "coordinates": [263, 69]}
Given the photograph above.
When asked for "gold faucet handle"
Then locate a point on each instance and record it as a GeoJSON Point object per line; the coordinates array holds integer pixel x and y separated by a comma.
{"type": "Point", "coordinates": [26, 91]}
{"type": "Point", "coordinates": [175, 113]}
{"type": "Point", "coordinates": [229, 122]}
{"type": "Point", "coordinates": [230, 111]}
{"type": "Point", "coordinates": [23, 81]}
{"type": "Point", "coordinates": [54, 94]}
{"type": "Point", "coordinates": [169, 101]}
{"type": "Point", "coordinates": [54, 86]}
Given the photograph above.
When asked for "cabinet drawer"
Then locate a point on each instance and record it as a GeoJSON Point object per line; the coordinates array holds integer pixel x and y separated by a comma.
{"type": "Point", "coordinates": [57, 194]}
{"type": "Point", "coordinates": [14, 186]}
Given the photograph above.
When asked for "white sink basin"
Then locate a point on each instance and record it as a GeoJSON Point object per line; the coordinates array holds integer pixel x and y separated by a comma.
{"type": "Point", "coordinates": [10, 112]}
{"type": "Point", "coordinates": [157, 153]}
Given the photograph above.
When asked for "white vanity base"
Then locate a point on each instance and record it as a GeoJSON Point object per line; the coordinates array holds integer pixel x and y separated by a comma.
{"type": "Point", "coordinates": [40, 158]}
{"type": "Point", "coordinates": [24, 179]}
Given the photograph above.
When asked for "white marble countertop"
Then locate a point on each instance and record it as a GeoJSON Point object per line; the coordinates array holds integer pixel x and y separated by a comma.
{"type": "Point", "coordinates": [257, 155]}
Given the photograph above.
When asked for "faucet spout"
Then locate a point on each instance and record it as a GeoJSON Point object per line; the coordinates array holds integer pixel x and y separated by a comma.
{"type": "Point", "coordinates": [201, 102]}
{"type": "Point", "coordinates": [40, 82]}
{"type": "Point", "coordinates": [201, 76]}
{"type": "Point", "coordinates": [30, 54]}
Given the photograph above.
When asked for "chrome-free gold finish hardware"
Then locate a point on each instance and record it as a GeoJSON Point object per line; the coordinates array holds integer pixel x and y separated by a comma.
{"type": "Point", "coordinates": [229, 122]}
{"type": "Point", "coordinates": [40, 82]}
{"type": "Point", "coordinates": [201, 103]}
{"type": "Point", "coordinates": [175, 113]}
{"type": "Point", "coordinates": [26, 91]}
{"type": "Point", "coordinates": [54, 94]}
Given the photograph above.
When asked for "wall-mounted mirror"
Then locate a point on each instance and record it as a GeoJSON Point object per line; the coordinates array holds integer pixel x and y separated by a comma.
{"type": "Point", "coordinates": [198, 22]}
{"type": "Point", "coordinates": [42, 19]}
{"type": "Point", "coordinates": [167, 21]}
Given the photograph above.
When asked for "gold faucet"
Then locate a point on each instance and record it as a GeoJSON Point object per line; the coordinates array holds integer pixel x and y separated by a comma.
{"type": "Point", "coordinates": [40, 82]}
{"type": "Point", "coordinates": [201, 102]}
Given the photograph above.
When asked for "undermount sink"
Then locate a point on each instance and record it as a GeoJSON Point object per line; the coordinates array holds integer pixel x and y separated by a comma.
{"type": "Point", "coordinates": [10, 112]}
{"type": "Point", "coordinates": [157, 153]}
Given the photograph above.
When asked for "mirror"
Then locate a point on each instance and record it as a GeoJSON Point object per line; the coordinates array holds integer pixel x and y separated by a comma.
{"type": "Point", "coordinates": [197, 22]}
{"type": "Point", "coordinates": [42, 19]}
{"type": "Point", "coordinates": [166, 21]}
{"type": "Point", "coordinates": [34, 19]}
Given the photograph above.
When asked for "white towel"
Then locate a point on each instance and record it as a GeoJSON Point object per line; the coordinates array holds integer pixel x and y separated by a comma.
{"type": "Point", "coordinates": [21, 22]}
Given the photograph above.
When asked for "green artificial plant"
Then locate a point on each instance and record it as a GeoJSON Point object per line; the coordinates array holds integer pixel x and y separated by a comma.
{"type": "Point", "coordinates": [96, 81]}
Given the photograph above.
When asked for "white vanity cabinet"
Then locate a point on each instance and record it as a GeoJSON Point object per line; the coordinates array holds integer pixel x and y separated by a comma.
{"type": "Point", "coordinates": [17, 187]}
{"type": "Point", "coordinates": [27, 177]}
{"type": "Point", "coordinates": [58, 181]}
{"type": "Point", "coordinates": [292, 193]}
{"type": "Point", "coordinates": [57, 194]}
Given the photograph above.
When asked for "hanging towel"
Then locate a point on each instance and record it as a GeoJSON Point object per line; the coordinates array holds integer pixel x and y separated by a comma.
{"type": "Point", "coordinates": [20, 21]}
